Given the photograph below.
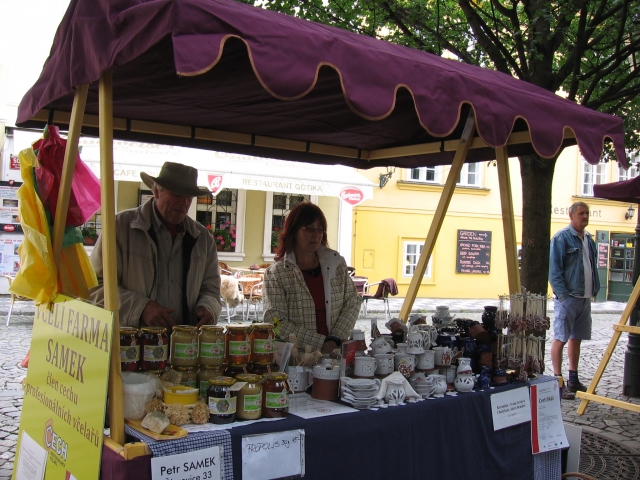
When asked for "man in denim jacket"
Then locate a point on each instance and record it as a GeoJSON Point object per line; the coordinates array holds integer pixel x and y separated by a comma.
{"type": "Point", "coordinates": [574, 280]}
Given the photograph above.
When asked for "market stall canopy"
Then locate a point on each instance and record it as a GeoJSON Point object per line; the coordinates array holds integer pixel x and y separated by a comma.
{"type": "Point", "coordinates": [627, 191]}
{"type": "Point", "coordinates": [225, 76]}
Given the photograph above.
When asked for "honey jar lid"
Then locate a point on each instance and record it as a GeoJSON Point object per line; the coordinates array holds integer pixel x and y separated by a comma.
{"type": "Point", "coordinates": [279, 376]}
{"type": "Point", "coordinates": [215, 328]}
{"type": "Point", "coordinates": [153, 329]}
{"type": "Point", "coordinates": [213, 367]}
{"type": "Point", "coordinates": [222, 381]}
{"type": "Point", "coordinates": [248, 377]}
{"type": "Point", "coordinates": [262, 325]}
{"type": "Point", "coordinates": [185, 328]}
{"type": "Point", "coordinates": [238, 327]}
{"type": "Point", "coordinates": [128, 330]}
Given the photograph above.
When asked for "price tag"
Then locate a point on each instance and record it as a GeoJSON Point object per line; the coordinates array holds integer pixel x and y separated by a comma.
{"type": "Point", "coordinates": [273, 455]}
{"type": "Point", "coordinates": [203, 464]}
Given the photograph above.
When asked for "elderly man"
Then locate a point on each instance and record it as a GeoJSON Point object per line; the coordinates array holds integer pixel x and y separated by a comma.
{"type": "Point", "coordinates": [167, 262]}
{"type": "Point", "coordinates": [574, 279]}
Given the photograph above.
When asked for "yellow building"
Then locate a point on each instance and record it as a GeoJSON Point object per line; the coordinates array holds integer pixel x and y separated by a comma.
{"type": "Point", "coordinates": [389, 230]}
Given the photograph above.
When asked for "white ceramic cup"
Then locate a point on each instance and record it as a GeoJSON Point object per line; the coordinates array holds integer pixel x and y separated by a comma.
{"type": "Point", "coordinates": [364, 367]}
{"type": "Point", "coordinates": [426, 360]}
{"type": "Point", "coordinates": [298, 378]}
{"type": "Point", "coordinates": [405, 358]}
{"type": "Point", "coordinates": [402, 347]}
{"type": "Point", "coordinates": [384, 363]}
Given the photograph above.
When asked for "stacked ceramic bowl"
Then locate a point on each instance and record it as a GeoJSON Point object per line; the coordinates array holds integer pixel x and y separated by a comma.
{"type": "Point", "coordinates": [424, 386]}
{"type": "Point", "coordinates": [360, 393]}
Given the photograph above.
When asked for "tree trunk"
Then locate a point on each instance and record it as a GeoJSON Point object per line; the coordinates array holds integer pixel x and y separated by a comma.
{"type": "Point", "coordinates": [537, 180]}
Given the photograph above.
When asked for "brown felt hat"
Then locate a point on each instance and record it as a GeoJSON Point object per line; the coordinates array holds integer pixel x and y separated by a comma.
{"type": "Point", "coordinates": [177, 178]}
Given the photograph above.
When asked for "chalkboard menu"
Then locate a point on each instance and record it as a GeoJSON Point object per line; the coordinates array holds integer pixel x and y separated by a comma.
{"type": "Point", "coordinates": [474, 252]}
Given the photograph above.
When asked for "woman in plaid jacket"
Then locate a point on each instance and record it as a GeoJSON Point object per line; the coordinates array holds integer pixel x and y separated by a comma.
{"type": "Point", "coordinates": [308, 291]}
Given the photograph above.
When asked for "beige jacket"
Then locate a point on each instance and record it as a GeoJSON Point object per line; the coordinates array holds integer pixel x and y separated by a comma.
{"type": "Point", "coordinates": [137, 257]}
{"type": "Point", "coordinates": [288, 302]}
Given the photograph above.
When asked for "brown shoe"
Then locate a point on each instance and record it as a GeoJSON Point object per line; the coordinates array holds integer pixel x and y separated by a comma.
{"type": "Point", "coordinates": [567, 394]}
{"type": "Point", "coordinates": [576, 387]}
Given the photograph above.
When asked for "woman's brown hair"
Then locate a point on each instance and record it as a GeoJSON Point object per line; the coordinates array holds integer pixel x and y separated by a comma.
{"type": "Point", "coordinates": [301, 215]}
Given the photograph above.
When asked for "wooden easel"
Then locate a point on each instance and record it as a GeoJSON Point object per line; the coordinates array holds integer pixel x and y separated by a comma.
{"type": "Point", "coordinates": [618, 328]}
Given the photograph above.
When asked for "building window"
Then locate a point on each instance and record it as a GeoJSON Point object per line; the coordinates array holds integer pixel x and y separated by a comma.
{"type": "Point", "coordinates": [469, 175]}
{"type": "Point", "coordinates": [425, 174]}
{"type": "Point", "coordinates": [623, 174]}
{"type": "Point", "coordinates": [592, 175]}
{"type": "Point", "coordinates": [221, 213]}
{"type": "Point", "coordinates": [278, 207]}
{"type": "Point", "coordinates": [412, 251]}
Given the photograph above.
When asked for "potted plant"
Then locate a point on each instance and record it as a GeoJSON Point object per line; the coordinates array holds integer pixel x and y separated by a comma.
{"type": "Point", "coordinates": [275, 233]}
{"type": "Point", "coordinates": [224, 236]}
{"type": "Point", "coordinates": [90, 235]}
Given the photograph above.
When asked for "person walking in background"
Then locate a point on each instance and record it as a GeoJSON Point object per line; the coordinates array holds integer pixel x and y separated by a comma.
{"type": "Point", "coordinates": [574, 280]}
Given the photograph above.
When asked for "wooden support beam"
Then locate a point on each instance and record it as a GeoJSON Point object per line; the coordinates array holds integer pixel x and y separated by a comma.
{"type": "Point", "coordinates": [508, 220]}
{"type": "Point", "coordinates": [586, 397]}
{"type": "Point", "coordinates": [109, 266]}
{"type": "Point", "coordinates": [627, 328]}
{"type": "Point", "coordinates": [69, 166]}
{"type": "Point", "coordinates": [590, 393]}
{"type": "Point", "coordinates": [438, 217]}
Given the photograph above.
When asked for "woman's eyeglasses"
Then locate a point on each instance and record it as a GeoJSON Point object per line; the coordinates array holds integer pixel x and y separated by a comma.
{"type": "Point", "coordinates": [311, 230]}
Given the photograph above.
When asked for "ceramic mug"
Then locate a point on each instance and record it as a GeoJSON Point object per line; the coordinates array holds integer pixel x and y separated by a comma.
{"type": "Point", "coordinates": [402, 347]}
{"type": "Point", "coordinates": [364, 367]}
{"type": "Point", "coordinates": [384, 364]}
{"type": "Point", "coordinates": [298, 378]}
{"type": "Point", "coordinates": [441, 352]}
{"type": "Point", "coordinates": [405, 359]}
{"type": "Point", "coordinates": [425, 361]}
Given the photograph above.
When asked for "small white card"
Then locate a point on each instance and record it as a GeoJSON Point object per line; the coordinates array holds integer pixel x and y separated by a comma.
{"type": "Point", "coordinates": [32, 459]}
{"type": "Point", "coordinates": [204, 463]}
{"type": "Point", "coordinates": [273, 455]}
{"type": "Point", "coordinates": [305, 406]}
{"type": "Point", "coordinates": [510, 408]}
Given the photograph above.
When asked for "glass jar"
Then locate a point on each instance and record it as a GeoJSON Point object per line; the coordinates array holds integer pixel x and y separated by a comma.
{"type": "Point", "coordinates": [155, 343]}
{"type": "Point", "coordinates": [259, 368]}
{"type": "Point", "coordinates": [211, 343]}
{"type": "Point", "coordinates": [249, 405]}
{"type": "Point", "coordinates": [129, 349]}
{"type": "Point", "coordinates": [262, 343]}
{"type": "Point", "coordinates": [233, 370]}
{"type": "Point", "coordinates": [206, 373]}
{"type": "Point", "coordinates": [238, 344]}
{"type": "Point", "coordinates": [221, 400]}
{"type": "Point", "coordinates": [184, 346]}
{"type": "Point", "coordinates": [189, 375]}
{"type": "Point", "coordinates": [275, 395]}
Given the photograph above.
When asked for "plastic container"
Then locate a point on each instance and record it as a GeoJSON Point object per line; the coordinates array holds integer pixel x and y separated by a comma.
{"type": "Point", "coordinates": [180, 394]}
{"type": "Point", "coordinates": [211, 345]}
{"type": "Point", "coordinates": [129, 349]}
{"type": "Point", "coordinates": [155, 348]}
{"type": "Point", "coordinates": [249, 404]}
{"type": "Point", "coordinates": [184, 346]}
{"type": "Point", "coordinates": [137, 390]}
{"type": "Point", "coordinates": [222, 400]}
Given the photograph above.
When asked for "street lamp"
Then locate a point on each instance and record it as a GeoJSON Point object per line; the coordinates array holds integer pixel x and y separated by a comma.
{"type": "Point", "coordinates": [630, 212]}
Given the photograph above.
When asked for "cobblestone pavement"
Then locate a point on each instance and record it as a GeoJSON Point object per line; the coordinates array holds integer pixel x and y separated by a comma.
{"type": "Point", "coordinates": [617, 424]}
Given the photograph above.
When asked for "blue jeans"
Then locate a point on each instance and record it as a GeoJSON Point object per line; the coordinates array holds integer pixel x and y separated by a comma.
{"type": "Point", "coordinates": [572, 319]}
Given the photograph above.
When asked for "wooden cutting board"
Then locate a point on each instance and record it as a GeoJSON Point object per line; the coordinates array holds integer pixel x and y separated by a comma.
{"type": "Point", "coordinates": [172, 432]}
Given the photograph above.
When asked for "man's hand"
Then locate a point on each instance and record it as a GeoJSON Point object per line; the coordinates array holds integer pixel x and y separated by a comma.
{"type": "Point", "coordinates": [328, 346]}
{"type": "Point", "coordinates": [155, 315]}
{"type": "Point", "coordinates": [204, 316]}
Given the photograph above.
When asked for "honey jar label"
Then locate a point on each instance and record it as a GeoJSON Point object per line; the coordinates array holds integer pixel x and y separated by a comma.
{"type": "Point", "coordinates": [130, 354]}
{"type": "Point", "coordinates": [239, 348]}
{"type": "Point", "coordinates": [155, 353]}
{"type": "Point", "coordinates": [263, 346]}
{"type": "Point", "coordinates": [252, 403]}
{"type": "Point", "coordinates": [276, 399]}
{"type": "Point", "coordinates": [222, 406]}
{"type": "Point", "coordinates": [212, 350]}
{"type": "Point", "coordinates": [185, 351]}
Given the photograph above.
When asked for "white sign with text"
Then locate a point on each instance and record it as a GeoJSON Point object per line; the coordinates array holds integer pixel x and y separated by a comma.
{"type": "Point", "coordinates": [203, 464]}
{"type": "Point", "coordinates": [547, 429]}
{"type": "Point", "coordinates": [510, 408]}
{"type": "Point", "coordinates": [273, 455]}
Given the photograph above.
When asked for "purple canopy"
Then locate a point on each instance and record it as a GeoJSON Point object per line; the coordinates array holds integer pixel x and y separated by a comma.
{"type": "Point", "coordinates": [227, 76]}
{"type": "Point", "coordinates": [627, 191]}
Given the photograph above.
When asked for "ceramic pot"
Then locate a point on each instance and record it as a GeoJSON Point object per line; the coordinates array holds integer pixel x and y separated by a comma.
{"type": "Point", "coordinates": [298, 378]}
{"type": "Point", "coordinates": [484, 378]}
{"type": "Point", "coordinates": [439, 353]}
{"type": "Point", "coordinates": [395, 393]}
{"type": "Point", "coordinates": [447, 340]}
{"type": "Point", "coordinates": [415, 341]}
{"type": "Point", "coordinates": [388, 338]}
{"type": "Point", "coordinates": [364, 367]}
{"type": "Point", "coordinates": [464, 382]}
{"type": "Point", "coordinates": [425, 361]}
{"type": "Point", "coordinates": [440, 384]}
{"type": "Point", "coordinates": [489, 316]}
{"type": "Point", "coordinates": [402, 347]}
{"type": "Point", "coordinates": [449, 372]}
{"type": "Point", "coordinates": [384, 364]}
{"type": "Point", "coordinates": [429, 335]}
{"type": "Point", "coordinates": [326, 381]}
{"type": "Point", "coordinates": [464, 366]}
{"type": "Point", "coordinates": [405, 363]}
{"type": "Point", "coordinates": [442, 311]}
{"type": "Point", "coordinates": [380, 345]}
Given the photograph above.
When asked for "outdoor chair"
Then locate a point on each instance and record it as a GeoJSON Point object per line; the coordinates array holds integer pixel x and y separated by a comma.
{"type": "Point", "coordinates": [255, 299]}
{"type": "Point", "coordinates": [384, 288]}
{"type": "Point", "coordinates": [351, 271]}
{"type": "Point", "coordinates": [252, 291]}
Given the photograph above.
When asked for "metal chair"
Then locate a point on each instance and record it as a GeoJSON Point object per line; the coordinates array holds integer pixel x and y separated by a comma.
{"type": "Point", "coordinates": [252, 290]}
{"type": "Point", "coordinates": [255, 299]}
{"type": "Point", "coordinates": [361, 287]}
{"type": "Point", "coordinates": [382, 293]}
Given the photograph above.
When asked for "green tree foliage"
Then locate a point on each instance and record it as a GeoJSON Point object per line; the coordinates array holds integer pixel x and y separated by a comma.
{"type": "Point", "coordinates": [590, 49]}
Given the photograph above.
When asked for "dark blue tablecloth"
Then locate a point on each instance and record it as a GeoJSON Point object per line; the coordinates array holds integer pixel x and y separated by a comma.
{"type": "Point", "coordinates": [445, 438]}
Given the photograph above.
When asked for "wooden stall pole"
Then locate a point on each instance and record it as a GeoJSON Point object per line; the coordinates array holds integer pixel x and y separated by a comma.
{"type": "Point", "coordinates": [69, 166]}
{"type": "Point", "coordinates": [109, 264]}
{"type": "Point", "coordinates": [618, 328]}
{"type": "Point", "coordinates": [438, 217]}
{"type": "Point", "coordinates": [508, 222]}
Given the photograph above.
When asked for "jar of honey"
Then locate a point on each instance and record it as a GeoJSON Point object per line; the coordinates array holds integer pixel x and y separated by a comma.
{"type": "Point", "coordinates": [238, 344]}
{"type": "Point", "coordinates": [249, 405]}
{"type": "Point", "coordinates": [155, 348]}
{"type": "Point", "coordinates": [262, 342]}
{"type": "Point", "coordinates": [275, 395]}
{"type": "Point", "coordinates": [206, 373]}
{"type": "Point", "coordinates": [222, 400]}
{"type": "Point", "coordinates": [211, 343]}
{"type": "Point", "coordinates": [234, 370]}
{"type": "Point", "coordinates": [129, 349]}
{"type": "Point", "coordinates": [259, 368]}
{"type": "Point", "coordinates": [184, 346]}
{"type": "Point", "coordinates": [189, 376]}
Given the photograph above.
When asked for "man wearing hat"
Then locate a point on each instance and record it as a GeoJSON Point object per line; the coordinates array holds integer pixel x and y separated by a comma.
{"type": "Point", "coordinates": [167, 262]}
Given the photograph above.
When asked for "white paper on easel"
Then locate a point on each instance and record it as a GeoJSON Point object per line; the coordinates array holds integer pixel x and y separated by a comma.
{"type": "Point", "coordinates": [273, 455]}
{"type": "Point", "coordinates": [547, 429]}
{"type": "Point", "coordinates": [510, 408]}
{"type": "Point", "coordinates": [32, 459]}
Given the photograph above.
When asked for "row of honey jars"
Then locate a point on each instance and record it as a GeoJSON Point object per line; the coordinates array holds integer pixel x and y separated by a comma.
{"type": "Point", "coordinates": [145, 349]}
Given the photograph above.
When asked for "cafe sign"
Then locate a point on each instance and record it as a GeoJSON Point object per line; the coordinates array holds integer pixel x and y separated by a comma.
{"type": "Point", "coordinates": [352, 195]}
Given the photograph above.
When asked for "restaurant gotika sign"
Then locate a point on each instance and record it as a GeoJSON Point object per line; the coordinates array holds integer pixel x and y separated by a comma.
{"type": "Point", "coordinates": [352, 195]}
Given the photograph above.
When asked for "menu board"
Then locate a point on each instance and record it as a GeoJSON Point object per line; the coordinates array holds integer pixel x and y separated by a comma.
{"type": "Point", "coordinates": [9, 257]}
{"type": "Point", "coordinates": [603, 255]}
{"type": "Point", "coordinates": [474, 252]}
{"type": "Point", "coordinates": [9, 217]}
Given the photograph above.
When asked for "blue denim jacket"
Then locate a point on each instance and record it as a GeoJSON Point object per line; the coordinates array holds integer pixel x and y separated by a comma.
{"type": "Point", "coordinates": [566, 270]}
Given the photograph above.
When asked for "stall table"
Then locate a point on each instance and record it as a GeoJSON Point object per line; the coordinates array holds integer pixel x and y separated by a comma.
{"type": "Point", "coordinates": [442, 438]}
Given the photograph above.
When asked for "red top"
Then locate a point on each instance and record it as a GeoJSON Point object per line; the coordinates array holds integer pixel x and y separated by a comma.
{"type": "Point", "coordinates": [313, 279]}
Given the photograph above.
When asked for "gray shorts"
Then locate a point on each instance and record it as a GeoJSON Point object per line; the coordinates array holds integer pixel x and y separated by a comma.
{"type": "Point", "coordinates": [572, 319]}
